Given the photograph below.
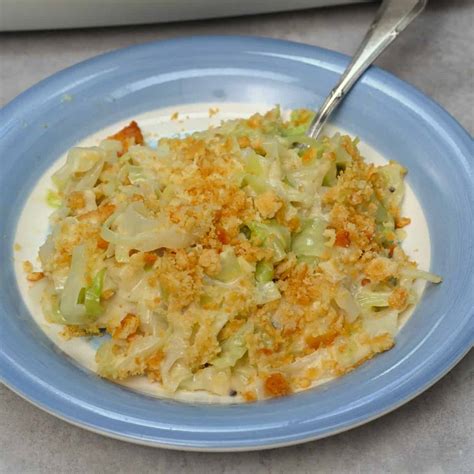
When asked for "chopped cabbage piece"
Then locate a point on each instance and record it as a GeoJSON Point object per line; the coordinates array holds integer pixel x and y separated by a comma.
{"type": "Point", "coordinates": [73, 311]}
{"type": "Point", "coordinates": [393, 174]}
{"type": "Point", "coordinates": [273, 236]}
{"type": "Point", "coordinates": [210, 379]}
{"type": "Point", "coordinates": [233, 348]}
{"type": "Point", "coordinates": [266, 292]}
{"type": "Point", "coordinates": [114, 362]}
{"type": "Point", "coordinates": [415, 273]}
{"type": "Point", "coordinates": [310, 242]}
{"type": "Point", "coordinates": [230, 267]}
{"type": "Point", "coordinates": [370, 299]}
{"type": "Point", "coordinates": [53, 199]}
{"type": "Point", "coordinates": [92, 295]}
{"type": "Point", "coordinates": [79, 160]}
{"type": "Point", "coordinates": [264, 272]}
{"type": "Point", "coordinates": [135, 231]}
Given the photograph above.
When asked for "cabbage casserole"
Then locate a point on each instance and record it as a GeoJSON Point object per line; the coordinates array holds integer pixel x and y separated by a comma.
{"type": "Point", "coordinates": [245, 260]}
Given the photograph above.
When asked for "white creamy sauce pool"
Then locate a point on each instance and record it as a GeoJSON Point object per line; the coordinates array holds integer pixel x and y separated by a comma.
{"type": "Point", "coordinates": [33, 227]}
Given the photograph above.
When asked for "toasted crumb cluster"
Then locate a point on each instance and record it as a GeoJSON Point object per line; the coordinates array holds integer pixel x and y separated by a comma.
{"type": "Point", "coordinates": [231, 261]}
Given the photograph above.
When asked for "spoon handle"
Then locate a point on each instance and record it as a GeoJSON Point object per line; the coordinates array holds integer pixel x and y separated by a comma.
{"type": "Point", "coordinates": [391, 19]}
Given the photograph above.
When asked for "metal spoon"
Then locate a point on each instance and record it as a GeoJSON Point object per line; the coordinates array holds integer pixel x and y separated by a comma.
{"type": "Point", "coordinates": [392, 18]}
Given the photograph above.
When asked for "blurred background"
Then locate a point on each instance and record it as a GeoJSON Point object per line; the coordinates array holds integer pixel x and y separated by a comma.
{"type": "Point", "coordinates": [53, 14]}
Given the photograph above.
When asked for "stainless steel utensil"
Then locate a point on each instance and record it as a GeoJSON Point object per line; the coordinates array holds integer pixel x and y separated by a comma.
{"type": "Point", "coordinates": [391, 19]}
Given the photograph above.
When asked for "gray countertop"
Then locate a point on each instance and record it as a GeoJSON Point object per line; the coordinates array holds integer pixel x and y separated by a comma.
{"type": "Point", "coordinates": [433, 433]}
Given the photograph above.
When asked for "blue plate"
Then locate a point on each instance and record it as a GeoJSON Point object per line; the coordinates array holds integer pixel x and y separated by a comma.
{"type": "Point", "coordinates": [388, 114]}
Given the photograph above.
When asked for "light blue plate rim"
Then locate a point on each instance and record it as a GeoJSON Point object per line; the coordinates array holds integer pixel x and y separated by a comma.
{"type": "Point", "coordinates": [281, 64]}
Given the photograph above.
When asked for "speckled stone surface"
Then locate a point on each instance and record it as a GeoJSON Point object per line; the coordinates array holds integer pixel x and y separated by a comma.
{"type": "Point", "coordinates": [433, 433]}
